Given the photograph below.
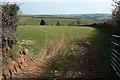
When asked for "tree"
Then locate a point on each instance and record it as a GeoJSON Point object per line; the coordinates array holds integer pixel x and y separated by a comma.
{"type": "Point", "coordinates": [58, 24]}
{"type": "Point", "coordinates": [42, 22]}
{"type": "Point", "coordinates": [116, 16]}
{"type": "Point", "coordinates": [9, 24]}
{"type": "Point", "coordinates": [78, 22]}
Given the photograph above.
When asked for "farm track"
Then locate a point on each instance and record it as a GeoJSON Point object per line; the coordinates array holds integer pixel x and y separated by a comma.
{"type": "Point", "coordinates": [90, 66]}
{"type": "Point", "coordinates": [87, 64]}
{"type": "Point", "coordinates": [32, 67]}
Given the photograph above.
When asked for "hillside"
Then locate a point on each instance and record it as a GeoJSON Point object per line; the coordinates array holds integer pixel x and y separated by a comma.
{"type": "Point", "coordinates": [51, 20]}
{"type": "Point", "coordinates": [96, 17]}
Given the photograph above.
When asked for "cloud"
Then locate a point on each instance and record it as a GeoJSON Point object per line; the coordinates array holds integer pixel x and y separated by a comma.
{"type": "Point", "coordinates": [104, 1]}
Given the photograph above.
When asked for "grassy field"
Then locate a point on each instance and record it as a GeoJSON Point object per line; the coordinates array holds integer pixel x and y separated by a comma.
{"type": "Point", "coordinates": [64, 21]}
{"type": "Point", "coordinates": [43, 35]}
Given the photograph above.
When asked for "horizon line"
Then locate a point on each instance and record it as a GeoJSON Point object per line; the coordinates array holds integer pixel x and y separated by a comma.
{"type": "Point", "coordinates": [68, 13]}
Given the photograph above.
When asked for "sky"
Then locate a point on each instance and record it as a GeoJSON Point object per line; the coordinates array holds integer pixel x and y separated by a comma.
{"type": "Point", "coordinates": [51, 7]}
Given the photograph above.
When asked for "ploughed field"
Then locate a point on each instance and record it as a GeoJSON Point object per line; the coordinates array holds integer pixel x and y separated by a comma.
{"type": "Point", "coordinates": [86, 53]}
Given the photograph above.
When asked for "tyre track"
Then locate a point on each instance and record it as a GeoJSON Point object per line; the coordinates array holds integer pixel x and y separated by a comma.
{"type": "Point", "coordinates": [32, 67]}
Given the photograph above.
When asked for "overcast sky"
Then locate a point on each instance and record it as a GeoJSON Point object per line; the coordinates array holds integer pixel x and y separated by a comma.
{"type": "Point", "coordinates": [64, 6]}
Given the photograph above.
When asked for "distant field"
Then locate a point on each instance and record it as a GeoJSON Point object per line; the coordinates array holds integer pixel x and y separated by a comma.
{"type": "Point", "coordinates": [52, 20]}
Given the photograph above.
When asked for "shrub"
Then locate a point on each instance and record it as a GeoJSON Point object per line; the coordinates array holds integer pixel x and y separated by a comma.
{"type": "Point", "coordinates": [78, 22]}
{"type": "Point", "coordinates": [58, 24]}
{"type": "Point", "coordinates": [42, 22]}
{"type": "Point", "coordinates": [9, 24]}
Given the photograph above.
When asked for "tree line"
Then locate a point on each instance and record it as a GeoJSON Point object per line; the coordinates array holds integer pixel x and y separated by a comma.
{"type": "Point", "coordinates": [42, 23]}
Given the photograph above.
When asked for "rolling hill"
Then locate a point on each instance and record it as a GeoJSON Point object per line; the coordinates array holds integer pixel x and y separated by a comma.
{"type": "Point", "coordinates": [51, 20]}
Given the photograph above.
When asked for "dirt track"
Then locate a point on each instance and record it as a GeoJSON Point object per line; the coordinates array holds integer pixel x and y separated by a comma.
{"type": "Point", "coordinates": [42, 61]}
{"type": "Point", "coordinates": [81, 62]}
{"type": "Point", "coordinates": [32, 67]}
{"type": "Point", "coordinates": [89, 66]}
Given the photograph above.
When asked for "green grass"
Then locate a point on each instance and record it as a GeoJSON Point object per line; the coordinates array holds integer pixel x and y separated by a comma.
{"type": "Point", "coordinates": [30, 20]}
{"type": "Point", "coordinates": [43, 35]}
{"type": "Point", "coordinates": [101, 44]}
{"type": "Point", "coordinates": [15, 49]}
{"type": "Point", "coordinates": [67, 61]}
